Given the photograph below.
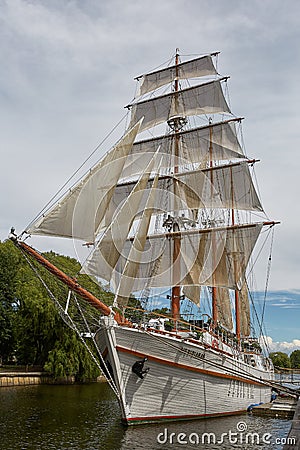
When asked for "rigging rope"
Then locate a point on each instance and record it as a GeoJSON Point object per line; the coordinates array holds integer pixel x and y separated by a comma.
{"type": "Point", "coordinates": [257, 318]}
{"type": "Point", "coordinates": [71, 324]}
{"type": "Point", "coordinates": [260, 322]}
{"type": "Point", "coordinates": [234, 371]}
{"type": "Point", "coordinates": [267, 281]}
{"type": "Point", "coordinates": [92, 335]}
{"type": "Point", "coordinates": [54, 197]}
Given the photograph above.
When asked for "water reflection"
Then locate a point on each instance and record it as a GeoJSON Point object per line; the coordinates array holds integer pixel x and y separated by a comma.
{"type": "Point", "coordinates": [59, 417]}
{"type": "Point", "coordinates": [88, 417]}
{"type": "Point", "coordinates": [211, 434]}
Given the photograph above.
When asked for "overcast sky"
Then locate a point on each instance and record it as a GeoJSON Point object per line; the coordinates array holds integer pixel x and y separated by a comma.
{"type": "Point", "coordinates": [67, 70]}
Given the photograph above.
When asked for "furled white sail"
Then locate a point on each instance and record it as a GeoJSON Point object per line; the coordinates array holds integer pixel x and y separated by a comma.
{"type": "Point", "coordinates": [105, 256]}
{"type": "Point", "coordinates": [80, 213]}
{"type": "Point", "coordinates": [196, 146]}
{"type": "Point", "coordinates": [207, 98]}
{"type": "Point", "coordinates": [194, 68]}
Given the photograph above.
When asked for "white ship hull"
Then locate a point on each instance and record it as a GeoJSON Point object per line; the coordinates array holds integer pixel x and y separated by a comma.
{"type": "Point", "coordinates": [186, 380]}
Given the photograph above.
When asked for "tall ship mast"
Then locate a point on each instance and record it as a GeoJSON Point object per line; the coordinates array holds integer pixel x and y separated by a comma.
{"type": "Point", "coordinates": [171, 211]}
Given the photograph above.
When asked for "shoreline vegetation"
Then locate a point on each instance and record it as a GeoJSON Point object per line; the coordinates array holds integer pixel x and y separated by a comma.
{"type": "Point", "coordinates": [32, 333]}
{"type": "Point", "coordinates": [285, 363]}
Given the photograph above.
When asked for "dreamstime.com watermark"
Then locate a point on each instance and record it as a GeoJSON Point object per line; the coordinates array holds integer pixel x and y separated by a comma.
{"type": "Point", "coordinates": [239, 436]}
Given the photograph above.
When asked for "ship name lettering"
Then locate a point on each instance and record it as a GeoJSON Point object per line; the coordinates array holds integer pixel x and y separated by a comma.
{"type": "Point", "coordinates": [193, 353]}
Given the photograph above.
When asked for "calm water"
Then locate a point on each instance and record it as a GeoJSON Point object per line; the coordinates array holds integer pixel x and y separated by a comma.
{"type": "Point", "coordinates": [88, 417]}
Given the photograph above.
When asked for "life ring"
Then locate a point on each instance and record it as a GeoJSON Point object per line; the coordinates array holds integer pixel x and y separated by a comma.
{"type": "Point", "coordinates": [215, 343]}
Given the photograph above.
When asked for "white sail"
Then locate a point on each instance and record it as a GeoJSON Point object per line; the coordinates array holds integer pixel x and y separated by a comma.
{"type": "Point", "coordinates": [80, 212]}
{"type": "Point", "coordinates": [207, 98]}
{"type": "Point", "coordinates": [192, 192]}
{"type": "Point", "coordinates": [224, 308]}
{"type": "Point", "coordinates": [220, 264]}
{"type": "Point", "coordinates": [192, 292]}
{"type": "Point", "coordinates": [138, 245]}
{"type": "Point", "coordinates": [230, 271]}
{"type": "Point", "coordinates": [244, 308]}
{"type": "Point", "coordinates": [107, 252]}
{"type": "Point", "coordinates": [234, 186]}
{"type": "Point", "coordinates": [194, 68]}
{"type": "Point", "coordinates": [191, 289]}
{"type": "Point", "coordinates": [224, 187]}
{"type": "Point", "coordinates": [197, 146]}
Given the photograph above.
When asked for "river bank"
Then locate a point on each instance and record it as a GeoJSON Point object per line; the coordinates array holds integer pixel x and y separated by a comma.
{"type": "Point", "coordinates": [26, 377]}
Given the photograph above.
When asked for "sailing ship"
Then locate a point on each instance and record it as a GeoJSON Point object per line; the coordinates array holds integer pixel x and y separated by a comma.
{"type": "Point", "coordinates": [171, 210]}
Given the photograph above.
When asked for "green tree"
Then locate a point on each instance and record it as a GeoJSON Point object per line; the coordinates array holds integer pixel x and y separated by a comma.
{"type": "Point", "coordinates": [163, 311]}
{"type": "Point", "coordinates": [43, 337]}
{"type": "Point", "coordinates": [69, 357]}
{"type": "Point", "coordinates": [280, 359]}
{"type": "Point", "coordinates": [9, 263]}
{"type": "Point", "coordinates": [295, 359]}
{"type": "Point", "coordinates": [30, 326]}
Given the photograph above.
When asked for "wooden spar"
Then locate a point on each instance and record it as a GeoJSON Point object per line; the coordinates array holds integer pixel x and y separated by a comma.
{"type": "Point", "coordinates": [172, 234]}
{"type": "Point", "coordinates": [171, 94]}
{"type": "Point", "coordinates": [71, 283]}
{"type": "Point", "coordinates": [183, 132]}
{"type": "Point", "coordinates": [175, 298]}
{"type": "Point", "coordinates": [188, 172]}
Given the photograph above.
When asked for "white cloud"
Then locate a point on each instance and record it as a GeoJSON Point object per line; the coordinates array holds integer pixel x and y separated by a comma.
{"type": "Point", "coordinates": [285, 306]}
{"type": "Point", "coordinates": [286, 347]}
{"type": "Point", "coordinates": [280, 299]}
